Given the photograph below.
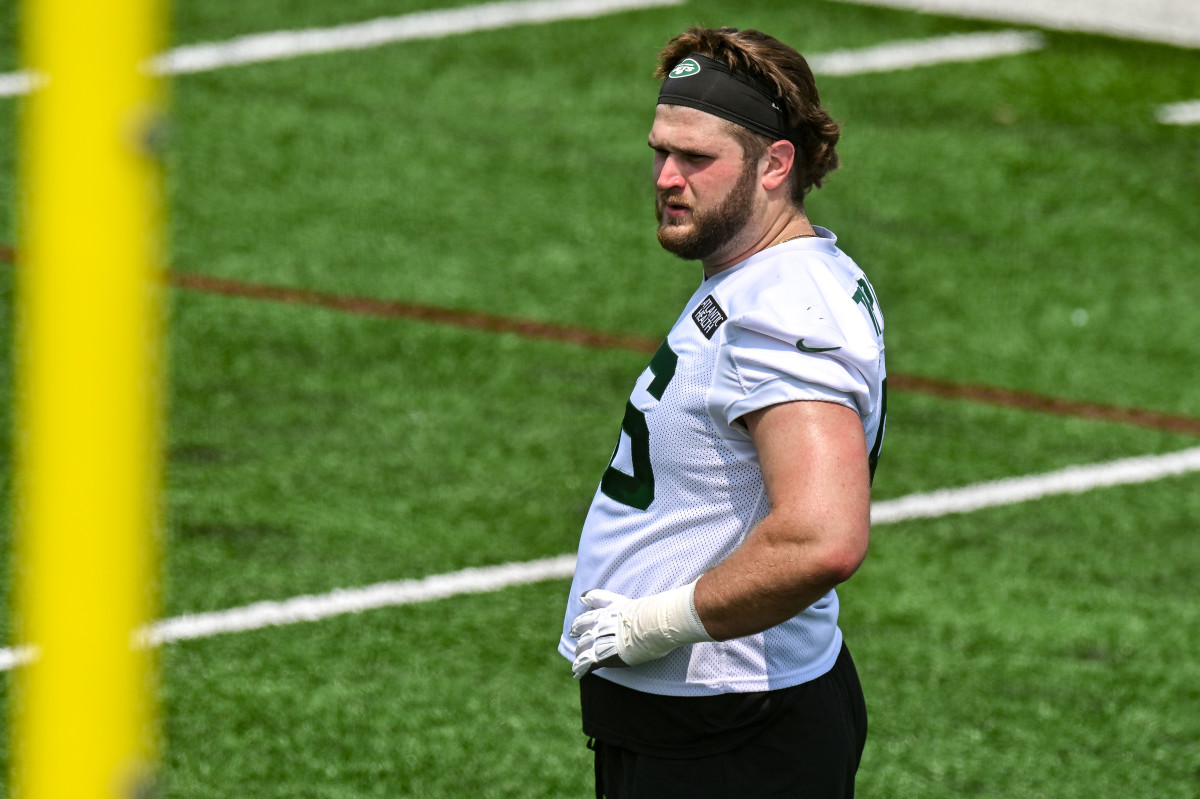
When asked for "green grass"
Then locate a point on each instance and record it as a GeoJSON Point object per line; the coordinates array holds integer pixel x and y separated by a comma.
{"type": "Point", "coordinates": [459, 717]}
{"type": "Point", "coordinates": [1034, 651]}
{"type": "Point", "coordinates": [1037, 650]}
{"type": "Point", "coordinates": [312, 449]}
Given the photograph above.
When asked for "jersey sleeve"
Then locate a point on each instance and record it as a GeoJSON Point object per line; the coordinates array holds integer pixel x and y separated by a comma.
{"type": "Point", "coordinates": [794, 347]}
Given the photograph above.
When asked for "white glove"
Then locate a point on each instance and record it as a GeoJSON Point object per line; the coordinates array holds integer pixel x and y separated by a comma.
{"type": "Point", "coordinates": [619, 631]}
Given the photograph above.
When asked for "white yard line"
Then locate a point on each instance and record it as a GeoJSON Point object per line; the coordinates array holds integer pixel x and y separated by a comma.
{"type": "Point", "coordinates": [926, 52]}
{"type": "Point", "coordinates": [13, 84]}
{"type": "Point", "coordinates": [359, 36]}
{"type": "Point", "coordinates": [1180, 113]}
{"type": "Point", "coordinates": [1169, 21]}
{"type": "Point", "coordinates": [11, 657]}
{"type": "Point", "coordinates": [356, 600]}
{"type": "Point", "coordinates": [1073, 480]}
{"type": "Point", "coordinates": [279, 45]}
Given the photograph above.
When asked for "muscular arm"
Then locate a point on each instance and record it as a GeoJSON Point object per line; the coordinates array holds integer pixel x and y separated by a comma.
{"type": "Point", "coordinates": [814, 465]}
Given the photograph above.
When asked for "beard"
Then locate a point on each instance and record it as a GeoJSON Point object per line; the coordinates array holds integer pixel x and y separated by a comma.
{"type": "Point", "coordinates": [707, 231]}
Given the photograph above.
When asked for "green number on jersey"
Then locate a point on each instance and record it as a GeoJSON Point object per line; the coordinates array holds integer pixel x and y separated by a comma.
{"type": "Point", "coordinates": [637, 490]}
{"type": "Point", "coordinates": [866, 298]}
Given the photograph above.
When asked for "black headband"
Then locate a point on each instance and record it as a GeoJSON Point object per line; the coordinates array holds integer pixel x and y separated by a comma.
{"type": "Point", "coordinates": [711, 86]}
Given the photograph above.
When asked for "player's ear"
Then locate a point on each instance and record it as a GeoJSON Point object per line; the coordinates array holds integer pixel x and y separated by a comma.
{"type": "Point", "coordinates": [779, 157]}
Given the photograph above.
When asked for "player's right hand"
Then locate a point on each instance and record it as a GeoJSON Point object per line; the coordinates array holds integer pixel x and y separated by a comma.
{"type": "Point", "coordinates": [597, 631]}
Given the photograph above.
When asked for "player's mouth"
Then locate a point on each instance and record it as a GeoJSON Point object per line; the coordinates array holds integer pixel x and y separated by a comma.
{"type": "Point", "coordinates": [673, 207]}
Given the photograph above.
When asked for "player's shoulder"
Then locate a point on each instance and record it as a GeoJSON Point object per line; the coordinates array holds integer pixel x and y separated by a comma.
{"type": "Point", "coordinates": [798, 281]}
{"type": "Point", "coordinates": [802, 294]}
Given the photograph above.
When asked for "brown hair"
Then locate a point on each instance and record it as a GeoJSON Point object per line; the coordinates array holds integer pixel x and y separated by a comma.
{"type": "Point", "coordinates": [785, 73]}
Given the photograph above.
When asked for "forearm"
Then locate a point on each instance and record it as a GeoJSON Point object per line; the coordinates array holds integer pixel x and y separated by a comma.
{"type": "Point", "coordinates": [813, 457]}
{"type": "Point", "coordinates": [815, 472]}
{"type": "Point", "coordinates": [775, 574]}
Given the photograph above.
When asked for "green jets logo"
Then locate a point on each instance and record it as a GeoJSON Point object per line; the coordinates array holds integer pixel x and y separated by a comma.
{"type": "Point", "coordinates": [685, 68]}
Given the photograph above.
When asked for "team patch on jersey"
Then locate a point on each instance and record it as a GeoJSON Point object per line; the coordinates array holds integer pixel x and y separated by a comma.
{"type": "Point", "coordinates": [708, 316]}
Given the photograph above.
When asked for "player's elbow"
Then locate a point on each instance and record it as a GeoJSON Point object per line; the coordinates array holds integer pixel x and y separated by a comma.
{"type": "Point", "coordinates": [840, 563]}
{"type": "Point", "coordinates": [822, 556]}
{"type": "Point", "coordinates": [840, 553]}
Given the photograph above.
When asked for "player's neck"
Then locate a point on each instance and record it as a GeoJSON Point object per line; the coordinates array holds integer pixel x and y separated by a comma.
{"type": "Point", "coordinates": [787, 226]}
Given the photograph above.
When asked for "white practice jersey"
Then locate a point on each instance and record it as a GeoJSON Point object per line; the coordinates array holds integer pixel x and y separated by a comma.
{"type": "Point", "coordinates": [797, 321]}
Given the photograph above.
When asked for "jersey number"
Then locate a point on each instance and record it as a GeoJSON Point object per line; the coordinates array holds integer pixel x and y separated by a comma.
{"type": "Point", "coordinates": [637, 490]}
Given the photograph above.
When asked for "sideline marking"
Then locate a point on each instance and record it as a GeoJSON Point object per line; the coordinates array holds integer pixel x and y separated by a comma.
{"type": "Point", "coordinates": [1012, 490]}
{"type": "Point", "coordinates": [1179, 113]}
{"type": "Point", "coordinates": [313, 607]}
{"type": "Point", "coordinates": [926, 52]}
{"type": "Point", "coordinates": [356, 600]}
{"type": "Point", "coordinates": [13, 84]}
{"type": "Point", "coordinates": [278, 45]}
{"type": "Point", "coordinates": [261, 47]}
{"type": "Point", "coordinates": [1169, 21]}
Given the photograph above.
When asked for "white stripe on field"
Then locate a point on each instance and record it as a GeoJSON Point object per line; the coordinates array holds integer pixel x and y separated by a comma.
{"type": "Point", "coordinates": [1073, 480]}
{"type": "Point", "coordinates": [1171, 21]}
{"type": "Point", "coordinates": [16, 83]}
{"type": "Point", "coordinates": [12, 657]}
{"type": "Point", "coordinates": [356, 600]}
{"type": "Point", "coordinates": [262, 47]}
{"type": "Point", "coordinates": [315, 607]}
{"type": "Point", "coordinates": [1180, 113]}
{"type": "Point", "coordinates": [259, 48]}
{"type": "Point", "coordinates": [420, 25]}
{"type": "Point", "coordinates": [926, 52]}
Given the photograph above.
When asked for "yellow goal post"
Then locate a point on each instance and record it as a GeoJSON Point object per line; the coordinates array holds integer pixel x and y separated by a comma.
{"type": "Point", "coordinates": [88, 400]}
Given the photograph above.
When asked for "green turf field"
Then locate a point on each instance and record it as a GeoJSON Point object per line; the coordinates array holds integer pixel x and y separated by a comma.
{"type": "Point", "coordinates": [1026, 222]}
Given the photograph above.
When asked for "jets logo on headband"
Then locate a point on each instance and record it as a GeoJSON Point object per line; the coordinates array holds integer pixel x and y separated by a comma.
{"type": "Point", "coordinates": [712, 86]}
{"type": "Point", "coordinates": [685, 68]}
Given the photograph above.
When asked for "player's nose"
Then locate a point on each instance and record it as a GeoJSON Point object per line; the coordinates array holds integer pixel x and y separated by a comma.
{"type": "Point", "coordinates": [668, 176]}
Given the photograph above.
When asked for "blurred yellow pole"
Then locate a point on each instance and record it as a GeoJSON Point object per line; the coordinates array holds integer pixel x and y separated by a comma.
{"type": "Point", "coordinates": [88, 400]}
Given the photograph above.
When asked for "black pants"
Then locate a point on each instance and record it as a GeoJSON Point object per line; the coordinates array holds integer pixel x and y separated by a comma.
{"type": "Point", "coordinates": [809, 750]}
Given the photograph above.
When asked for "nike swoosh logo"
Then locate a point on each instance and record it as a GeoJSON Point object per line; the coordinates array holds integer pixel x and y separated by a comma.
{"type": "Point", "coordinates": [800, 346]}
